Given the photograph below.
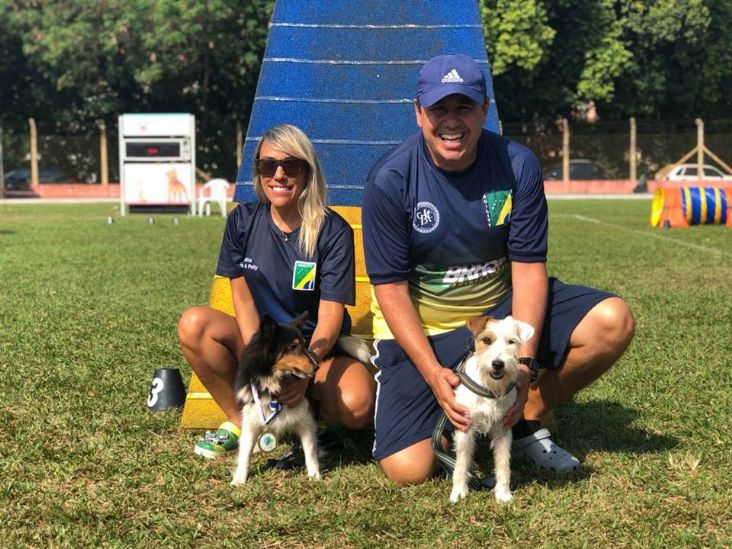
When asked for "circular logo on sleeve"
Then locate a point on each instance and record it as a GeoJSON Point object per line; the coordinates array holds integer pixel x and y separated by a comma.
{"type": "Point", "coordinates": [426, 217]}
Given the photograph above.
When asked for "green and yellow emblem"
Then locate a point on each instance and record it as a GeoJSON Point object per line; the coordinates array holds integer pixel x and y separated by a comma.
{"type": "Point", "coordinates": [303, 276]}
{"type": "Point", "coordinates": [498, 206]}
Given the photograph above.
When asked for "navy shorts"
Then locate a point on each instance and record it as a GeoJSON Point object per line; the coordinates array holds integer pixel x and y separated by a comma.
{"type": "Point", "coordinates": [406, 409]}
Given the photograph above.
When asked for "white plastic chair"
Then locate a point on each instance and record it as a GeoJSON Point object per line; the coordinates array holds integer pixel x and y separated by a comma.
{"type": "Point", "coordinates": [216, 191]}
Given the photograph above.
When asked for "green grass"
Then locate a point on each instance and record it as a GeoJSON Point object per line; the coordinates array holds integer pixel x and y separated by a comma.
{"type": "Point", "coordinates": [88, 311]}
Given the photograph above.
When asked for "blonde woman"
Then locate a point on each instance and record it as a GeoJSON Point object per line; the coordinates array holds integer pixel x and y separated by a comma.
{"type": "Point", "coordinates": [284, 254]}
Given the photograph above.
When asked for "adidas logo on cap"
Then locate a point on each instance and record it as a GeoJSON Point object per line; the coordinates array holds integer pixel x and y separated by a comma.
{"type": "Point", "coordinates": [451, 77]}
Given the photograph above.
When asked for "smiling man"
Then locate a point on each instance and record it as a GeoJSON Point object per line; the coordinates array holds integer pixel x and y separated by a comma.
{"type": "Point", "coordinates": [455, 226]}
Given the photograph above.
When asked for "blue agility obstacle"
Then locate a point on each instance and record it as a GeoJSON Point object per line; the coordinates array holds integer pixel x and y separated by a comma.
{"type": "Point", "coordinates": [345, 73]}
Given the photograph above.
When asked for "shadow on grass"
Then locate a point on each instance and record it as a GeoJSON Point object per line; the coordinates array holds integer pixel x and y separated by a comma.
{"type": "Point", "coordinates": [603, 426]}
{"type": "Point", "coordinates": [339, 448]}
{"type": "Point", "coordinates": [607, 426]}
{"type": "Point", "coordinates": [600, 426]}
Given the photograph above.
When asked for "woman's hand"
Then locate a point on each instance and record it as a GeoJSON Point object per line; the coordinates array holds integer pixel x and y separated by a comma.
{"type": "Point", "coordinates": [293, 391]}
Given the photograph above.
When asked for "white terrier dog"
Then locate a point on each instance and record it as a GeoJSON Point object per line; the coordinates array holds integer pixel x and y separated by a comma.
{"type": "Point", "coordinates": [493, 368]}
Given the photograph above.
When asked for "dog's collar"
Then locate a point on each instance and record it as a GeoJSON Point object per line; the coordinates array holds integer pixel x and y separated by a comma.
{"type": "Point", "coordinates": [479, 390]}
{"type": "Point", "coordinates": [313, 360]}
{"type": "Point", "coordinates": [274, 406]}
{"type": "Point", "coordinates": [474, 386]}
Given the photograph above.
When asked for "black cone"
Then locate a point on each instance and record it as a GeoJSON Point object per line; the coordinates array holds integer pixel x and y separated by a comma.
{"type": "Point", "coordinates": [166, 390]}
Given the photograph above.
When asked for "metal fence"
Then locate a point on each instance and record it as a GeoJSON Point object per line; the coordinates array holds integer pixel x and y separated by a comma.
{"type": "Point", "coordinates": [608, 144]}
{"type": "Point", "coordinates": [77, 158]}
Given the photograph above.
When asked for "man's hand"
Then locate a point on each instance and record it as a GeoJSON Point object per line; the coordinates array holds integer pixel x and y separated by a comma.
{"type": "Point", "coordinates": [442, 382]}
{"type": "Point", "coordinates": [514, 413]}
{"type": "Point", "coordinates": [293, 392]}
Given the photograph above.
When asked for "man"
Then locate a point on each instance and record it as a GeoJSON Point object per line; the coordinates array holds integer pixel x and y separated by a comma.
{"type": "Point", "coordinates": [455, 225]}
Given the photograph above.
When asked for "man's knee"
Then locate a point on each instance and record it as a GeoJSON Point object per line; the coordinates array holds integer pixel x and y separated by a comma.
{"type": "Point", "coordinates": [614, 323]}
{"type": "Point", "coordinates": [413, 465]}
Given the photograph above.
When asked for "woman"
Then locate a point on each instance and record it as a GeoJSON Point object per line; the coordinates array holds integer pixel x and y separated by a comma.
{"type": "Point", "coordinates": [284, 254]}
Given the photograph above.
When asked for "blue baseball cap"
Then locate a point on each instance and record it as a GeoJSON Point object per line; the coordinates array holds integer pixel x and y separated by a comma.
{"type": "Point", "coordinates": [448, 74]}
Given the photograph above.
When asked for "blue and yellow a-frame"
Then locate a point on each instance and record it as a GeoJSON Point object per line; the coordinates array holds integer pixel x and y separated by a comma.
{"type": "Point", "coordinates": [345, 73]}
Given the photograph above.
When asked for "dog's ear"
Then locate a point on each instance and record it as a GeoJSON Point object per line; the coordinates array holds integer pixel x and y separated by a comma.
{"type": "Point", "coordinates": [299, 321]}
{"type": "Point", "coordinates": [525, 331]}
{"type": "Point", "coordinates": [267, 327]}
{"type": "Point", "coordinates": [477, 324]}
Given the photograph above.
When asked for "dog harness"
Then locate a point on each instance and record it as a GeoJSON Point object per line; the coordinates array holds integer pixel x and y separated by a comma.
{"type": "Point", "coordinates": [448, 462]}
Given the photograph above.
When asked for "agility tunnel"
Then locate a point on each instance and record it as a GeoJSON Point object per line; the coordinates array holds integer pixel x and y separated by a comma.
{"type": "Point", "coordinates": [687, 206]}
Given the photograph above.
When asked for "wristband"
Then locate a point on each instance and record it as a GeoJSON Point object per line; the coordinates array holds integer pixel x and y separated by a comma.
{"type": "Point", "coordinates": [533, 366]}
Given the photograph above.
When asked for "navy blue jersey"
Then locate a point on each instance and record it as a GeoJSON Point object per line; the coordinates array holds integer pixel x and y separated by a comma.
{"type": "Point", "coordinates": [282, 280]}
{"type": "Point", "coordinates": [451, 235]}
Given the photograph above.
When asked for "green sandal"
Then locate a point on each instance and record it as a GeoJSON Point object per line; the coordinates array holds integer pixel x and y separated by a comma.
{"type": "Point", "coordinates": [222, 442]}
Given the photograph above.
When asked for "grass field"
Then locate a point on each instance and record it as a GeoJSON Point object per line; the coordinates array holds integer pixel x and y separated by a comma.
{"type": "Point", "coordinates": [88, 311]}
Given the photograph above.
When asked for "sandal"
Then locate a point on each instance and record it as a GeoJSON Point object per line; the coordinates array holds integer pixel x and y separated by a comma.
{"type": "Point", "coordinates": [222, 442]}
{"type": "Point", "coordinates": [542, 451]}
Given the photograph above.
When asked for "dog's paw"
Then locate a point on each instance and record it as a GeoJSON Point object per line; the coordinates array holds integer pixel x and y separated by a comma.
{"type": "Point", "coordinates": [503, 495]}
{"type": "Point", "coordinates": [238, 480]}
{"type": "Point", "coordinates": [458, 493]}
{"type": "Point", "coordinates": [314, 476]}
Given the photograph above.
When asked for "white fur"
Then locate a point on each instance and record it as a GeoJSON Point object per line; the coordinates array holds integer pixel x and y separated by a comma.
{"type": "Point", "coordinates": [486, 414]}
{"type": "Point", "coordinates": [298, 420]}
{"type": "Point", "coordinates": [354, 347]}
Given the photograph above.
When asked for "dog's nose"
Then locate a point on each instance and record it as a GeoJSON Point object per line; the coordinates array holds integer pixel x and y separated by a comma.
{"type": "Point", "coordinates": [497, 364]}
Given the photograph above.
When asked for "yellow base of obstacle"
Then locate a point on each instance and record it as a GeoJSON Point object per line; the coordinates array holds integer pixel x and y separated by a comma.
{"type": "Point", "coordinates": [686, 206]}
{"type": "Point", "coordinates": [200, 410]}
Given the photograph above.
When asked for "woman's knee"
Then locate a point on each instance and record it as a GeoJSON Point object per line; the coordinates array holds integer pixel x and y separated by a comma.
{"type": "Point", "coordinates": [359, 408]}
{"type": "Point", "coordinates": [192, 325]}
{"type": "Point", "coordinates": [347, 393]}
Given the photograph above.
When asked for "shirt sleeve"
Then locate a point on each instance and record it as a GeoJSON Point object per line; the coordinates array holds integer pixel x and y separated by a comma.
{"type": "Point", "coordinates": [337, 280]}
{"type": "Point", "coordinates": [527, 237]}
{"type": "Point", "coordinates": [386, 230]}
{"type": "Point", "coordinates": [233, 245]}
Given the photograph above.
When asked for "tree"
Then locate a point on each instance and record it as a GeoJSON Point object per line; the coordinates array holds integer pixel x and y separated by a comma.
{"type": "Point", "coordinates": [93, 60]}
{"type": "Point", "coordinates": [653, 59]}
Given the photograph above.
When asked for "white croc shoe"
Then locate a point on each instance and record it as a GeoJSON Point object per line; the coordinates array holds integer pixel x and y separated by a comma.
{"type": "Point", "coordinates": [541, 450]}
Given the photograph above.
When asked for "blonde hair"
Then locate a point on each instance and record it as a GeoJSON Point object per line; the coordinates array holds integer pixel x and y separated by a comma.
{"type": "Point", "coordinates": [311, 203]}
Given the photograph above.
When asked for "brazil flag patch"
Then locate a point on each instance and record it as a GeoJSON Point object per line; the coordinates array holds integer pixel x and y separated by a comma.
{"type": "Point", "coordinates": [498, 205]}
{"type": "Point", "coordinates": [303, 276]}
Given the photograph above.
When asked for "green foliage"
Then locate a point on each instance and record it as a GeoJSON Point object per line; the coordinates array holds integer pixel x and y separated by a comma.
{"type": "Point", "coordinates": [69, 63]}
{"type": "Point", "coordinates": [94, 60]}
{"type": "Point", "coordinates": [517, 33]}
{"type": "Point", "coordinates": [652, 59]}
{"type": "Point", "coordinates": [89, 311]}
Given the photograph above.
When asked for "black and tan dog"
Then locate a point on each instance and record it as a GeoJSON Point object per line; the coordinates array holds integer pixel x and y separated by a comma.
{"type": "Point", "coordinates": [277, 351]}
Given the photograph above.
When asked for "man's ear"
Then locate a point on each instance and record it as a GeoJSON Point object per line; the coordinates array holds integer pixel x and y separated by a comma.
{"type": "Point", "coordinates": [418, 112]}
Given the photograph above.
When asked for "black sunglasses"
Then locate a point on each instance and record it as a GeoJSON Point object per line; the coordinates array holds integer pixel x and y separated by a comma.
{"type": "Point", "coordinates": [293, 167]}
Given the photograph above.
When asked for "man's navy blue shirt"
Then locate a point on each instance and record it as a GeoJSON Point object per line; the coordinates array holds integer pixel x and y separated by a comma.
{"type": "Point", "coordinates": [451, 235]}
